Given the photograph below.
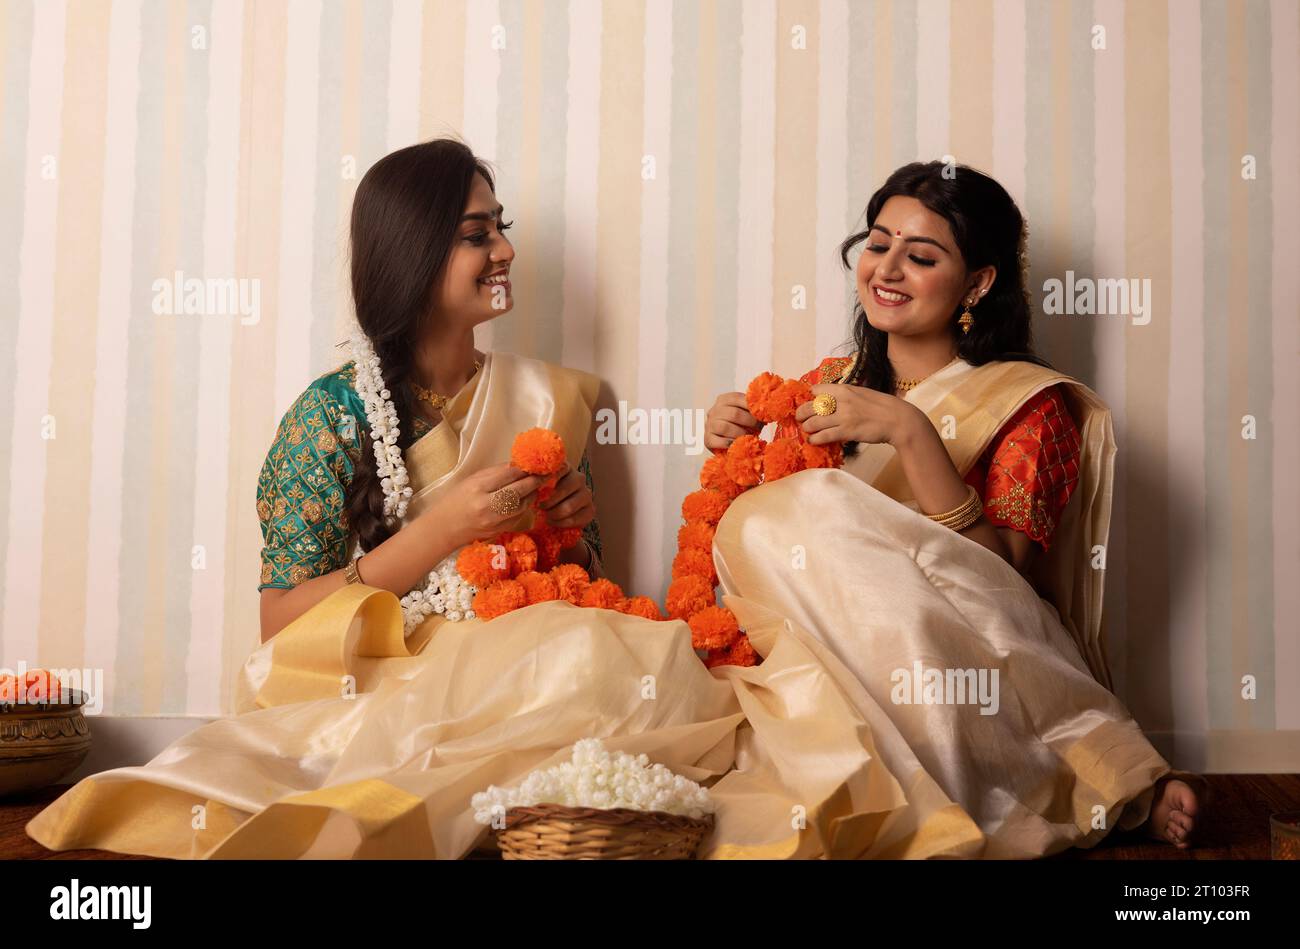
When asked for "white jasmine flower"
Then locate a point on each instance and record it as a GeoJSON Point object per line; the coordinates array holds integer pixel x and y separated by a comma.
{"type": "Point", "coordinates": [594, 777]}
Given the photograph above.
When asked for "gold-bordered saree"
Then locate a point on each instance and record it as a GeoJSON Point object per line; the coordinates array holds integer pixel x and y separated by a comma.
{"type": "Point", "coordinates": [354, 741]}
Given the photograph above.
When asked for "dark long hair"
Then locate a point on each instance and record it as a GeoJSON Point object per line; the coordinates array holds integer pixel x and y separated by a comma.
{"type": "Point", "coordinates": [405, 218]}
{"type": "Point", "coordinates": [988, 229]}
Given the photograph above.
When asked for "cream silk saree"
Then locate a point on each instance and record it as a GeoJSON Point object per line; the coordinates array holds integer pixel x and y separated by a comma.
{"type": "Point", "coordinates": [353, 741]}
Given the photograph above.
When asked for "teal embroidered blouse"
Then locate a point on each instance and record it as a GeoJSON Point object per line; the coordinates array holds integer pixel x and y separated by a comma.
{"type": "Point", "coordinates": [302, 485]}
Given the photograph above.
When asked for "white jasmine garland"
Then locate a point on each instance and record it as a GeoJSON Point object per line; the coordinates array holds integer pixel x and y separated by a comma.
{"type": "Point", "coordinates": [444, 591]}
{"type": "Point", "coordinates": [596, 778]}
{"type": "Point", "coordinates": [384, 426]}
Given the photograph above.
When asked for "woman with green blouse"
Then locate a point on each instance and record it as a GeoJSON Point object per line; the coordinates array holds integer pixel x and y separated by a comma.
{"type": "Point", "coordinates": [430, 261]}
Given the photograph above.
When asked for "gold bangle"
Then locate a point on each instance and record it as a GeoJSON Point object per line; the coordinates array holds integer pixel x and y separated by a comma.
{"type": "Point", "coordinates": [594, 567]}
{"type": "Point", "coordinates": [965, 514]}
{"type": "Point", "coordinates": [351, 574]}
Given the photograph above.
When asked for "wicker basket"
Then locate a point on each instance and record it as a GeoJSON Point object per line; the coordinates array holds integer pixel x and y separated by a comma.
{"type": "Point", "coordinates": [556, 832]}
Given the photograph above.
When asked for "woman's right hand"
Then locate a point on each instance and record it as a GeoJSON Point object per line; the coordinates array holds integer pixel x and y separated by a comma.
{"type": "Point", "coordinates": [728, 420]}
{"type": "Point", "coordinates": [464, 512]}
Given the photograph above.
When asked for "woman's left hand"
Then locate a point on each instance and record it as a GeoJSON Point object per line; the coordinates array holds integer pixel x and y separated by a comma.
{"type": "Point", "coordinates": [571, 503]}
{"type": "Point", "coordinates": [861, 415]}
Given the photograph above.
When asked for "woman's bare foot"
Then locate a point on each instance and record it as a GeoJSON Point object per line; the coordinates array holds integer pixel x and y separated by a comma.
{"type": "Point", "coordinates": [1173, 811]}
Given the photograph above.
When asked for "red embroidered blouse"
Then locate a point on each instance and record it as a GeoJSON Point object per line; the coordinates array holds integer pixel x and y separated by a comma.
{"type": "Point", "coordinates": [1029, 470]}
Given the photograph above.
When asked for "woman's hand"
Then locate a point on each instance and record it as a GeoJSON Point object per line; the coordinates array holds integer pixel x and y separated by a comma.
{"type": "Point", "coordinates": [728, 420]}
{"type": "Point", "coordinates": [861, 415]}
{"type": "Point", "coordinates": [464, 512]}
{"type": "Point", "coordinates": [571, 503]}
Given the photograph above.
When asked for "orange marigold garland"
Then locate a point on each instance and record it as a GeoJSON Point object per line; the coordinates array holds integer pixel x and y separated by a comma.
{"type": "Point", "coordinates": [500, 598]}
{"type": "Point", "coordinates": [784, 456]}
{"type": "Point", "coordinates": [704, 505]}
{"type": "Point", "coordinates": [687, 596]}
{"type": "Point", "coordinates": [521, 552]}
{"type": "Point", "coordinates": [602, 594]}
{"type": "Point", "coordinates": [571, 581]}
{"type": "Point", "coordinates": [714, 477]}
{"type": "Point", "coordinates": [539, 587]}
{"type": "Point", "coordinates": [548, 546]}
{"type": "Point", "coordinates": [483, 564]}
{"type": "Point", "coordinates": [520, 568]}
{"type": "Point", "coordinates": [740, 653]}
{"type": "Point", "coordinates": [697, 534]}
{"type": "Point", "coordinates": [747, 462]}
{"type": "Point", "coordinates": [823, 456]}
{"type": "Point", "coordinates": [713, 627]}
{"type": "Point", "coordinates": [644, 607]}
{"type": "Point", "coordinates": [693, 561]}
{"type": "Point", "coordinates": [532, 557]}
{"type": "Point", "coordinates": [744, 460]}
{"type": "Point", "coordinates": [759, 396]}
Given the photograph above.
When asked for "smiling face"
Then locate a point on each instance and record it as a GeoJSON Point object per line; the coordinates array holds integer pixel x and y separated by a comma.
{"type": "Point", "coordinates": [911, 276]}
{"type": "Point", "coordinates": [476, 285]}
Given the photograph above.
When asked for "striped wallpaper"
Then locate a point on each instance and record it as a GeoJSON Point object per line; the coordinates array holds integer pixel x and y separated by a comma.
{"type": "Point", "coordinates": [678, 171]}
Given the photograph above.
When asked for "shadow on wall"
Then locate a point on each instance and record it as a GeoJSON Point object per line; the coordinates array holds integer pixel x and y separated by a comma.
{"type": "Point", "coordinates": [1157, 570]}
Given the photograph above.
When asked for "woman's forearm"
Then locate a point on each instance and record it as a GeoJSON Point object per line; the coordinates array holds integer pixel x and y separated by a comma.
{"type": "Point", "coordinates": [935, 483]}
{"type": "Point", "coordinates": [396, 565]}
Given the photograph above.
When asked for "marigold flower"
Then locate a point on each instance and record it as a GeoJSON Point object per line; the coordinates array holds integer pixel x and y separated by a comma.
{"type": "Point", "coordinates": [643, 606]}
{"type": "Point", "coordinates": [571, 581]}
{"type": "Point", "coordinates": [744, 460]}
{"type": "Point", "coordinates": [538, 587]}
{"type": "Point", "coordinates": [568, 536]}
{"type": "Point", "coordinates": [713, 627]}
{"type": "Point", "coordinates": [759, 393]}
{"type": "Point", "coordinates": [742, 652]}
{"type": "Point", "coordinates": [714, 475]}
{"type": "Point", "coordinates": [698, 534]}
{"type": "Point", "coordinates": [784, 456]}
{"type": "Point", "coordinates": [500, 598]}
{"type": "Point", "coordinates": [687, 596]}
{"type": "Point", "coordinates": [483, 564]}
{"type": "Point", "coordinates": [691, 561]}
{"type": "Point", "coordinates": [717, 657]}
{"type": "Point", "coordinates": [521, 550]}
{"type": "Point", "coordinates": [793, 393]}
{"type": "Point", "coordinates": [739, 653]}
{"type": "Point", "coordinates": [602, 593]}
{"type": "Point", "coordinates": [829, 455]}
{"type": "Point", "coordinates": [539, 451]}
{"type": "Point", "coordinates": [548, 545]}
{"type": "Point", "coordinates": [704, 505]}
{"type": "Point", "coordinates": [778, 404]}
{"type": "Point", "coordinates": [36, 685]}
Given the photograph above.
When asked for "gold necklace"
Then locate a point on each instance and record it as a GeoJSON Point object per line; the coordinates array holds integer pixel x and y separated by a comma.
{"type": "Point", "coordinates": [906, 385]}
{"type": "Point", "coordinates": [433, 398]}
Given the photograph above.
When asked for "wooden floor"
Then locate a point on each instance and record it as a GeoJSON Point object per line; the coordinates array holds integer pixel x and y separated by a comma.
{"type": "Point", "coordinates": [1236, 827]}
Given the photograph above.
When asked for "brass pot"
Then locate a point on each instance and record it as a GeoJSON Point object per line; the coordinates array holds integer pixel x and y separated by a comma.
{"type": "Point", "coordinates": [40, 742]}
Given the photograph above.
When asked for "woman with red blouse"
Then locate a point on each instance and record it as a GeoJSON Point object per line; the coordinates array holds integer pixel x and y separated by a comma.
{"type": "Point", "coordinates": [943, 408]}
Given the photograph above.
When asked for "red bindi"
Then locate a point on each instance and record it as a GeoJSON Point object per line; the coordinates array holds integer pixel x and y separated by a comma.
{"type": "Point", "coordinates": [898, 233]}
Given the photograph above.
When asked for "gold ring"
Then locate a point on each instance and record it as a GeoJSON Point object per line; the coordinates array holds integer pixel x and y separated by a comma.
{"type": "Point", "coordinates": [505, 501]}
{"type": "Point", "coordinates": [824, 404]}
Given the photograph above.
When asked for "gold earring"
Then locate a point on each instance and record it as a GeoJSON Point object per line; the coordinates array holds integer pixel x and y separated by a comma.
{"type": "Point", "coordinates": [966, 319]}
